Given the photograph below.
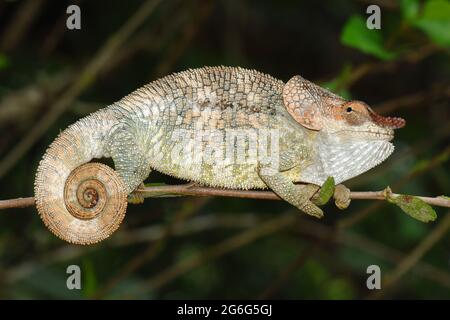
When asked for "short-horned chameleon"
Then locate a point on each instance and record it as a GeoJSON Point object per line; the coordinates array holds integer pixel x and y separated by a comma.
{"type": "Point", "coordinates": [217, 126]}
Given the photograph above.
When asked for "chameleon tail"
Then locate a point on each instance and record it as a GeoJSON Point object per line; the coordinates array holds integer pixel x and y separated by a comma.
{"type": "Point", "coordinates": [80, 202]}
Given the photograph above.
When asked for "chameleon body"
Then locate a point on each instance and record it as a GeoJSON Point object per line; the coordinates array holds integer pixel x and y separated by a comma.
{"type": "Point", "coordinates": [224, 127]}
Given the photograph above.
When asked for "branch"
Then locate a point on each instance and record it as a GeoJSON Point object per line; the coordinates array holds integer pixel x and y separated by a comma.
{"type": "Point", "coordinates": [427, 165]}
{"type": "Point", "coordinates": [190, 189]}
{"type": "Point", "coordinates": [17, 203]}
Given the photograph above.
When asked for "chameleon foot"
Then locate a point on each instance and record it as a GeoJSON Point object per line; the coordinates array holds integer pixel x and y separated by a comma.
{"type": "Point", "coordinates": [341, 196]}
{"type": "Point", "coordinates": [297, 195]}
{"type": "Point", "coordinates": [305, 204]}
{"type": "Point", "coordinates": [135, 197]}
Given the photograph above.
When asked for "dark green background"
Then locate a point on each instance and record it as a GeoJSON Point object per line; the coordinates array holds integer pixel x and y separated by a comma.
{"type": "Point", "coordinates": [226, 247]}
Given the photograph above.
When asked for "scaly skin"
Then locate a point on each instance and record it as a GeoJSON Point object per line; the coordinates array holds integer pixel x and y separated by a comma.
{"type": "Point", "coordinates": [310, 132]}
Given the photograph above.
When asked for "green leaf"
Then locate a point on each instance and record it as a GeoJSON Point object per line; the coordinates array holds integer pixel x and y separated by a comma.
{"type": "Point", "coordinates": [410, 9]}
{"type": "Point", "coordinates": [413, 206]}
{"type": "Point", "coordinates": [355, 34]}
{"type": "Point", "coordinates": [435, 21]}
{"type": "Point", "coordinates": [326, 192]}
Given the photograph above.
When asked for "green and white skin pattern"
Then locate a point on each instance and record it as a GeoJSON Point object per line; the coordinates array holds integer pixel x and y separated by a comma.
{"type": "Point", "coordinates": [177, 124]}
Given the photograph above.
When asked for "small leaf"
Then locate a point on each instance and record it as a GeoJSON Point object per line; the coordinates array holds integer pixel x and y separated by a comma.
{"type": "Point", "coordinates": [326, 192]}
{"type": "Point", "coordinates": [413, 206]}
{"type": "Point", "coordinates": [445, 197]}
{"type": "Point", "coordinates": [435, 21]}
{"type": "Point", "coordinates": [355, 34]}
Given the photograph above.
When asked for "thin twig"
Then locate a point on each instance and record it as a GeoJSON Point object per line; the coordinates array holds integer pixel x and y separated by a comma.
{"type": "Point", "coordinates": [20, 24]}
{"type": "Point", "coordinates": [429, 164]}
{"type": "Point", "coordinates": [189, 31]}
{"type": "Point", "coordinates": [228, 245]}
{"type": "Point", "coordinates": [17, 203]}
{"type": "Point", "coordinates": [413, 99]}
{"type": "Point", "coordinates": [306, 227]}
{"type": "Point", "coordinates": [412, 57]}
{"type": "Point", "coordinates": [315, 230]}
{"type": "Point", "coordinates": [86, 78]}
{"type": "Point", "coordinates": [192, 190]}
{"type": "Point", "coordinates": [413, 258]}
{"type": "Point", "coordinates": [285, 274]}
{"type": "Point", "coordinates": [379, 195]}
{"type": "Point", "coordinates": [152, 250]}
{"type": "Point", "coordinates": [132, 236]}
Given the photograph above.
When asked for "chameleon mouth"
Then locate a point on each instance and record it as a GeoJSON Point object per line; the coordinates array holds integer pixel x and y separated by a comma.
{"type": "Point", "coordinates": [385, 135]}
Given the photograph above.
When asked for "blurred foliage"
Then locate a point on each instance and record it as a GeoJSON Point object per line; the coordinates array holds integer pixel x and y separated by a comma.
{"type": "Point", "coordinates": [222, 247]}
{"type": "Point", "coordinates": [3, 61]}
{"type": "Point", "coordinates": [434, 21]}
{"type": "Point", "coordinates": [356, 34]}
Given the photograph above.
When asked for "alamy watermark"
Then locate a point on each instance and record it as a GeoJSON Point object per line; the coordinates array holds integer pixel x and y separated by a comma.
{"type": "Point", "coordinates": [73, 281]}
{"type": "Point", "coordinates": [202, 136]}
{"type": "Point", "coordinates": [374, 20]}
{"type": "Point", "coordinates": [221, 148]}
{"type": "Point", "coordinates": [374, 280]}
{"type": "Point", "coordinates": [73, 21]}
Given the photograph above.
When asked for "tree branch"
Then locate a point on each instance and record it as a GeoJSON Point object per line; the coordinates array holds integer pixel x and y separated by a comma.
{"type": "Point", "coordinates": [190, 189]}
{"type": "Point", "coordinates": [17, 203]}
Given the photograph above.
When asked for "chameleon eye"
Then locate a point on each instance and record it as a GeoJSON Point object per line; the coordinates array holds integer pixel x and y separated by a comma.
{"type": "Point", "coordinates": [349, 109]}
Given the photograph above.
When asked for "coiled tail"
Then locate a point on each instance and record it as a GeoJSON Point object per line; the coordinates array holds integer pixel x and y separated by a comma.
{"type": "Point", "coordinates": [80, 202]}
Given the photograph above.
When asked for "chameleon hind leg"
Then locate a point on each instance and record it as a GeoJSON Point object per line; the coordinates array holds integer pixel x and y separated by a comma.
{"type": "Point", "coordinates": [135, 197]}
{"type": "Point", "coordinates": [297, 195]}
{"type": "Point", "coordinates": [129, 149]}
{"type": "Point", "coordinates": [292, 158]}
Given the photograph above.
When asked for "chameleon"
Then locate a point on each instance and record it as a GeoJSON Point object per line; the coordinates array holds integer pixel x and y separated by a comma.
{"type": "Point", "coordinates": [225, 127]}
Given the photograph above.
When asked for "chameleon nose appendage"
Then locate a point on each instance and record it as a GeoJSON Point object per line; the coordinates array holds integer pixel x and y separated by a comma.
{"type": "Point", "coordinates": [94, 205]}
{"type": "Point", "coordinates": [387, 122]}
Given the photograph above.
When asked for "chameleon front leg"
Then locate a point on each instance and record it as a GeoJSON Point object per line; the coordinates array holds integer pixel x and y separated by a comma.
{"type": "Point", "coordinates": [297, 195]}
{"type": "Point", "coordinates": [290, 159]}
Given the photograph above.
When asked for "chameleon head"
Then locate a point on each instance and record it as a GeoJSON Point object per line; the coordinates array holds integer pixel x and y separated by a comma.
{"type": "Point", "coordinates": [318, 109]}
{"type": "Point", "coordinates": [351, 137]}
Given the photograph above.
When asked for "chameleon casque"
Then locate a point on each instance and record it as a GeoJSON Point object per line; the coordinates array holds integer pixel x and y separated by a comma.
{"type": "Point", "coordinates": [214, 126]}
